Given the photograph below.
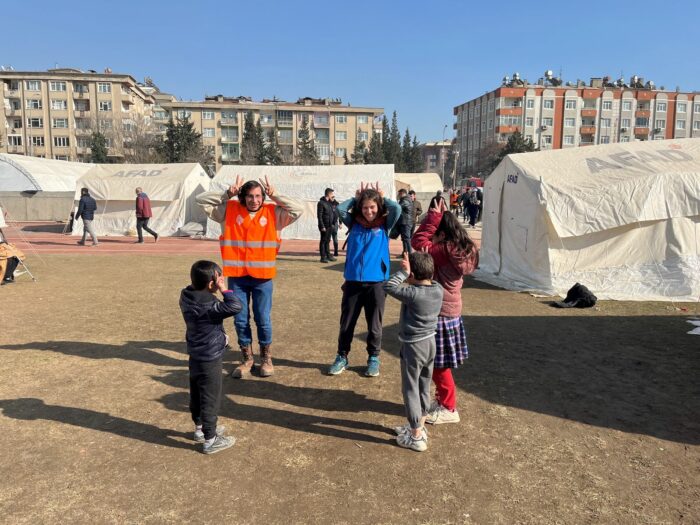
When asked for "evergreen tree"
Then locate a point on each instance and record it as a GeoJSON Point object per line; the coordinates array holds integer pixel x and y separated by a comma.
{"type": "Point", "coordinates": [273, 154]}
{"type": "Point", "coordinates": [392, 152]}
{"type": "Point", "coordinates": [516, 144]}
{"type": "Point", "coordinates": [306, 151]}
{"type": "Point", "coordinates": [261, 145]}
{"type": "Point", "coordinates": [183, 143]}
{"type": "Point", "coordinates": [345, 159]}
{"type": "Point", "coordinates": [375, 154]}
{"type": "Point", "coordinates": [385, 140]}
{"type": "Point", "coordinates": [250, 144]}
{"type": "Point", "coordinates": [406, 153]}
{"type": "Point", "coordinates": [417, 165]}
{"type": "Point", "coordinates": [358, 155]}
{"type": "Point", "coordinates": [98, 148]}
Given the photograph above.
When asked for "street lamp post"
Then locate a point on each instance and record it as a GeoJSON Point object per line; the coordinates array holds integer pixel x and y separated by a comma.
{"type": "Point", "coordinates": [442, 153]}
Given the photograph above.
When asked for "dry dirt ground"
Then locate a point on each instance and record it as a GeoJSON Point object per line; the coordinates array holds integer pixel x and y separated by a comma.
{"type": "Point", "coordinates": [567, 416]}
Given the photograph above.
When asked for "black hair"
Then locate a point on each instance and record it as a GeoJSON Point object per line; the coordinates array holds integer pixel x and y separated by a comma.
{"type": "Point", "coordinates": [454, 233]}
{"type": "Point", "coordinates": [402, 191]}
{"type": "Point", "coordinates": [369, 194]}
{"type": "Point", "coordinates": [84, 191]}
{"type": "Point", "coordinates": [422, 266]}
{"type": "Point", "coordinates": [411, 192]}
{"type": "Point", "coordinates": [202, 273]}
{"type": "Point", "coordinates": [328, 192]}
{"type": "Point", "coordinates": [245, 189]}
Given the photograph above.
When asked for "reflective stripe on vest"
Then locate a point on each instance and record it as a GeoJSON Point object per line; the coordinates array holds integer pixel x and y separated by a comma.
{"type": "Point", "coordinates": [249, 245]}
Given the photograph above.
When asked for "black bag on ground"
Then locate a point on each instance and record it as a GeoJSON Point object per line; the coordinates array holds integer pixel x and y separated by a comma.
{"type": "Point", "coordinates": [577, 297]}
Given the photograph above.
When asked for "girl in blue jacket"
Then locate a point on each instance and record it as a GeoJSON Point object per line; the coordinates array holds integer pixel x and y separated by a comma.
{"type": "Point", "coordinates": [369, 218]}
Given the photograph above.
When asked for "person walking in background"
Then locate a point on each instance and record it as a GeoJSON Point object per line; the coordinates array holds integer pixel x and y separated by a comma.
{"type": "Point", "coordinates": [406, 220]}
{"type": "Point", "coordinates": [250, 240]}
{"type": "Point", "coordinates": [473, 203]}
{"type": "Point", "coordinates": [369, 218]}
{"type": "Point", "coordinates": [417, 210]}
{"type": "Point", "coordinates": [454, 255]}
{"type": "Point", "coordinates": [435, 201]}
{"type": "Point", "coordinates": [86, 210]}
{"type": "Point", "coordinates": [324, 214]}
{"type": "Point", "coordinates": [143, 215]}
{"type": "Point", "coordinates": [336, 226]}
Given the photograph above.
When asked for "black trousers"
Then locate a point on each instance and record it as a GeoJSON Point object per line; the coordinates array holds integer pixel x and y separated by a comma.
{"type": "Point", "coordinates": [142, 224]}
{"type": "Point", "coordinates": [205, 394]}
{"type": "Point", "coordinates": [356, 296]}
{"type": "Point", "coordinates": [334, 236]}
{"type": "Point", "coordinates": [12, 264]}
{"type": "Point", "coordinates": [324, 243]}
{"type": "Point", "coordinates": [405, 230]}
{"type": "Point", "coordinates": [473, 213]}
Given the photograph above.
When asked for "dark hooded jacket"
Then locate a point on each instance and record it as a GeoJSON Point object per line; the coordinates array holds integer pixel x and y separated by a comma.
{"type": "Point", "coordinates": [324, 212]}
{"type": "Point", "coordinates": [204, 317]}
{"type": "Point", "coordinates": [451, 263]}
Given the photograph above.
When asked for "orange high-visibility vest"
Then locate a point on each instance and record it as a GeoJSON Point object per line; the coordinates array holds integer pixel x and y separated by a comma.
{"type": "Point", "coordinates": [249, 245]}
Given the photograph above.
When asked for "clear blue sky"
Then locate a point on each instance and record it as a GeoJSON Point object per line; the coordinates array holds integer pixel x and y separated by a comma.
{"type": "Point", "coordinates": [418, 58]}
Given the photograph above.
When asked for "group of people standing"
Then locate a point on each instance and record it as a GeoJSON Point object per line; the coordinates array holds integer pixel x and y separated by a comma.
{"type": "Point", "coordinates": [251, 238]}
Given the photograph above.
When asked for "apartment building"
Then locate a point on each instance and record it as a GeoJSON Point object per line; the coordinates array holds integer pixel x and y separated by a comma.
{"type": "Point", "coordinates": [52, 113]}
{"type": "Point", "coordinates": [558, 115]}
{"type": "Point", "coordinates": [435, 155]}
{"type": "Point", "coordinates": [335, 128]}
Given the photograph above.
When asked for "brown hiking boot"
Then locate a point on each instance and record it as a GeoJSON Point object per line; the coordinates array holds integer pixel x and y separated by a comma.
{"type": "Point", "coordinates": [266, 368]}
{"type": "Point", "coordinates": [243, 370]}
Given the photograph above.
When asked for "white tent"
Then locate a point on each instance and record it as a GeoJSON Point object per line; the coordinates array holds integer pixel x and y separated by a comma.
{"type": "Point", "coordinates": [35, 189]}
{"type": "Point", "coordinates": [307, 184]}
{"type": "Point", "coordinates": [622, 219]}
{"type": "Point", "coordinates": [2, 219]}
{"type": "Point", "coordinates": [426, 185]}
{"type": "Point", "coordinates": [171, 188]}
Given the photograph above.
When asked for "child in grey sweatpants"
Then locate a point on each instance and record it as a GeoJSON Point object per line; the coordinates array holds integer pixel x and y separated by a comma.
{"type": "Point", "coordinates": [421, 300]}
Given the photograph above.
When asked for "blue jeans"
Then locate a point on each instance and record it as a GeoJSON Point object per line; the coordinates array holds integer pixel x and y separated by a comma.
{"type": "Point", "coordinates": [261, 292]}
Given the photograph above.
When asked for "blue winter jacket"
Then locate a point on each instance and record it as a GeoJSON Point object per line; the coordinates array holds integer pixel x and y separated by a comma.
{"type": "Point", "coordinates": [367, 258]}
{"type": "Point", "coordinates": [86, 208]}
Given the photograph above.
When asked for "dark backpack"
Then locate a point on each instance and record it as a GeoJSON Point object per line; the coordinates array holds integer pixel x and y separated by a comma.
{"type": "Point", "coordinates": [474, 198]}
{"type": "Point", "coordinates": [577, 297]}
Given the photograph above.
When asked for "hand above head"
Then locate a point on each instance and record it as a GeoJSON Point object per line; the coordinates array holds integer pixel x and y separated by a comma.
{"type": "Point", "coordinates": [235, 188]}
{"type": "Point", "coordinates": [268, 188]}
{"type": "Point", "coordinates": [379, 190]}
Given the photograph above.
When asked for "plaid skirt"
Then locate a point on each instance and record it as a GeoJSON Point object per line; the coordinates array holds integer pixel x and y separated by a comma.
{"type": "Point", "coordinates": [450, 342]}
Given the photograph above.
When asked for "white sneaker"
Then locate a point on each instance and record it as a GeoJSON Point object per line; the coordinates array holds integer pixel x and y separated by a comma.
{"type": "Point", "coordinates": [199, 434]}
{"type": "Point", "coordinates": [406, 429]}
{"type": "Point", "coordinates": [408, 441]}
{"type": "Point", "coordinates": [442, 415]}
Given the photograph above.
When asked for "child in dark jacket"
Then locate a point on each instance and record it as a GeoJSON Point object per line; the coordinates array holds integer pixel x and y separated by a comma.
{"type": "Point", "coordinates": [206, 340]}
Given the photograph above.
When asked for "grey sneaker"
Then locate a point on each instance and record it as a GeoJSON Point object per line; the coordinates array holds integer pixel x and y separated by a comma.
{"type": "Point", "coordinates": [408, 441]}
{"type": "Point", "coordinates": [406, 429]}
{"type": "Point", "coordinates": [442, 415]}
{"type": "Point", "coordinates": [199, 434]}
{"type": "Point", "coordinates": [220, 443]}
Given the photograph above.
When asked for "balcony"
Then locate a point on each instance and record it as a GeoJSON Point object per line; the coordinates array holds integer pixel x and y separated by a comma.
{"type": "Point", "coordinates": [230, 157]}
{"type": "Point", "coordinates": [589, 112]}
{"type": "Point", "coordinates": [642, 113]}
{"type": "Point", "coordinates": [128, 98]}
{"type": "Point", "coordinates": [322, 120]}
{"type": "Point", "coordinates": [229, 140]}
{"type": "Point", "coordinates": [515, 110]}
{"type": "Point", "coordinates": [83, 131]}
{"type": "Point", "coordinates": [229, 122]}
{"type": "Point", "coordinates": [80, 94]}
{"type": "Point", "coordinates": [586, 143]}
{"type": "Point", "coordinates": [285, 123]}
{"type": "Point", "coordinates": [587, 130]}
{"type": "Point", "coordinates": [641, 131]}
{"type": "Point", "coordinates": [507, 129]}
{"type": "Point", "coordinates": [13, 112]}
{"type": "Point", "coordinates": [15, 149]}
{"type": "Point", "coordinates": [82, 150]}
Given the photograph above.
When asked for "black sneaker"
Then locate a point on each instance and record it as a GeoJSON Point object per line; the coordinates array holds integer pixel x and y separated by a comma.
{"type": "Point", "coordinates": [220, 443]}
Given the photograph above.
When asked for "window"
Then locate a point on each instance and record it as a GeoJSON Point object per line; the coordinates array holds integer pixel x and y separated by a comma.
{"type": "Point", "coordinates": [607, 104]}
{"type": "Point", "coordinates": [605, 123]}
{"type": "Point", "coordinates": [83, 142]}
{"type": "Point", "coordinates": [59, 123]}
{"type": "Point", "coordinates": [547, 121]}
{"type": "Point", "coordinates": [660, 124]}
{"type": "Point", "coordinates": [34, 103]}
{"type": "Point", "coordinates": [61, 142]}
{"type": "Point", "coordinates": [80, 88]}
{"type": "Point", "coordinates": [341, 119]}
{"type": "Point", "coordinates": [35, 122]}
{"type": "Point", "coordinates": [569, 122]}
{"type": "Point", "coordinates": [32, 85]}
{"type": "Point", "coordinates": [322, 136]}
{"type": "Point", "coordinates": [285, 136]}
{"type": "Point", "coordinates": [626, 105]}
{"type": "Point", "coordinates": [681, 107]}
{"type": "Point", "coordinates": [680, 124]}
{"type": "Point", "coordinates": [641, 122]}
{"type": "Point", "coordinates": [362, 119]}
{"type": "Point", "coordinates": [626, 123]}
{"type": "Point", "coordinates": [661, 106]}
{"type": "Point", "coordinates": [160, 115]}
{"type": "Point", "coordinates": [229, 134]}
{"type": "Point", "coordinates": [208, 133]}
{"type": "Point", "coordinates": [183, 114]}
{"type": "Point", "coordinates": [570, 104]}
{"type": "Point", "coordinates": [14, 85]}
{"type": "Point", "coordinates": [491, 105]}
{"type": "Point", "coordinates": [490, 124]}
{"type": "Point", "coordinates": [696, 108]}
{"type": "Point", "coordinates": [105, 105]}
{"type": "Point", "coordinates": [126, 107]}
{"type": "Point", "coordinates": [341, 135]}
{"type": "Point", "coordinates": [60, 157]}
{"type": "Point", "coordinates": [284, 118]}
{"type": "Point", "coordinates": [530, 103]}
{"type": "Point", "coordinates": [340, 152]}
{"type": "Point", "coordinates": [38, 141]}
{"type": "Point", "coordinates": [624, 139]}
{"type": "Point", "coordinates": [104, 87]}
{"type": "Point", "coordinates": [266, 118]}
{"type": "Point", "coordinates": [59, 104]}
{"type": "Point", "coordinates": [57, 86]}
{"type": "Point", "coordinates": [547, 139]}
{"type": "Point", "coordinates": [548, 103]}
{"type": "Point", "coordinates": [696, 125]}
{"type": "Point", "coordinates": [207, 115]}
{"type": "Point", "coordinates": [14, 140]}
{"type": "Point", "coordinates": [605, 140]}
{"type": "Point", "coordinates": [362, 136]}
{"type": "Point", "coordinates": [568, 140]}
{"type": "Point", "coordinates": [81, 105]}
{"type": "Point", "coordinates": [104, 124]}
{"type": "Point", "coordinates": [17, 123]}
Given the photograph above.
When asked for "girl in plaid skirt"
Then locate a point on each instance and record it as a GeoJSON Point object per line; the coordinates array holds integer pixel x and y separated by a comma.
{"type": "Point", "coordinates": [455, 255]}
